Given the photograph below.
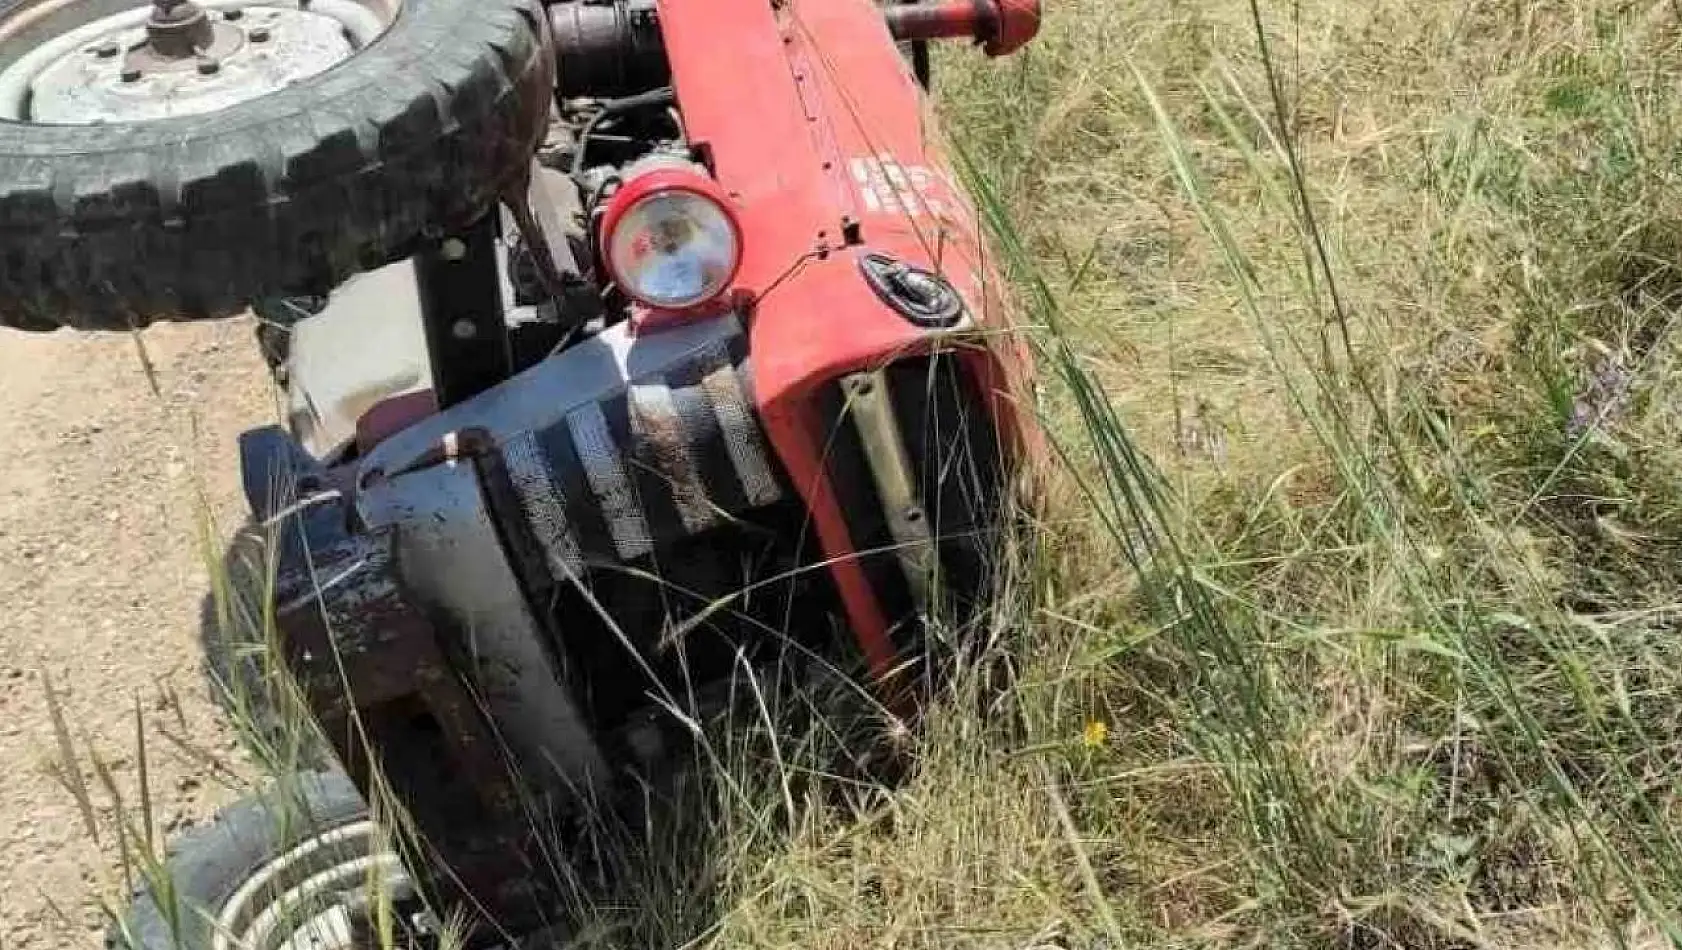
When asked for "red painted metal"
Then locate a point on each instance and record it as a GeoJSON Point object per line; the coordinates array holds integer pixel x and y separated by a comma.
{"type": "Point", "coordinates": [392, 415]}
{"type": "Point", "coordinates": [949, 20]}
{"type": "Point", "coordinates": [817, 129]}
{"type": "Point", "coordinates": [1018, 23]}
{"type": "Point", "coordinates": [1001, 26]}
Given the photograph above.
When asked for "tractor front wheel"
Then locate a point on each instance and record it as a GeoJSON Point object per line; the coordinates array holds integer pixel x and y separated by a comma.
{"type": "Point", "coordinates": [178, 159]}
{"type": "Point", "coordinates": [298, 866]}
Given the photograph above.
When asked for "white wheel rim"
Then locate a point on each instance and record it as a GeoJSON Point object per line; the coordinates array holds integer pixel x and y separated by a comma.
{"type": "Point", "coordinates": [360, 24]}
{"type": "Point", "coordinates": [298, 901]}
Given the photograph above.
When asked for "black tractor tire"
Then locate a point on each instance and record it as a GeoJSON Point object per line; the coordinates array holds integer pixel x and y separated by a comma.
{"type": "Point", "coordinates": [207, 866]}
{"type": "Point", "coordinates": [115, 226]}
{"type": "Point", "coordinates": [247, 680]}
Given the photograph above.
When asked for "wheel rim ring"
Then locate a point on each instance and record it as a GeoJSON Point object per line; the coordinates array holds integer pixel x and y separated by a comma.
{"type": "Point", "coordinates": [297, 900]}
{"type": "Point", "coordinates": [364, 21]}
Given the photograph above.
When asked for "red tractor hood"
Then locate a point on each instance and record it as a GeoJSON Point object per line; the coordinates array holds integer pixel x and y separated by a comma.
{"type": "Point", "coordinates": [812, 120]}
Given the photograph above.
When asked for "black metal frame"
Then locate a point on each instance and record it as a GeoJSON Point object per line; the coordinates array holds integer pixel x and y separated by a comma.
{"type": "Point", "coordinates": [467, 338]}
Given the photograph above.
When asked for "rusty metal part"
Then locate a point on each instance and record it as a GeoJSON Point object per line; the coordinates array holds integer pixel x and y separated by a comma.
{"type": "Point", "coordinates": [1001, 27]}
{"type": "Point", "coordinates": [180, 35]}
{"type": "Point", "coordinates": [453, 547]}
{"type": "Point", "coordinates": [447, 702]}
{"type": "Point", "coordinates": [870, 406]}
{"type": "Point", "coordinates": [1018, 24]}
{"type": "Point", "coordinates": [391, 415]}
{"type": "Point", "coordinates": [534, 203]}
{"type": "Point", "coordinates": [179, 29]}
{"type": "Point", "coordinates": [370, 666]}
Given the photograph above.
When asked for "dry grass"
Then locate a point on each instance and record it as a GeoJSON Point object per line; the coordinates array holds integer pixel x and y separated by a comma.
{"type": "Point", "coordinates": [1386, 293]}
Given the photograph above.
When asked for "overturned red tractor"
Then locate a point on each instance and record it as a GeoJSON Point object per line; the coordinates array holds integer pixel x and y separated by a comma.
{"type": "Point", "coordinates": [631, 347]}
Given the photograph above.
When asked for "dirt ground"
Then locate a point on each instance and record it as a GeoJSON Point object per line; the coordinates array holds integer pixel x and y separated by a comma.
{"type": "Point", "coordinates": [101, 572]}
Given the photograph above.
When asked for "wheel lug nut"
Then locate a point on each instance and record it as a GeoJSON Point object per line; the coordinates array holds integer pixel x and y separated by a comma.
{"type": "Point", "coordinates": [258, 35]}
{"type": "Point", "coordinates": [208, 67]}
{"type": "Point", "coordinates": [130, 74]}
{"type": "Point", "coordinates": [107, 50]}
{"type": "Point", "coordinates": [233, 14]}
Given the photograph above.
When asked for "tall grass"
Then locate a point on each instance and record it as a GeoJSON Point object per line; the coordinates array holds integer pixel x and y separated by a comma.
{"type": "Point", "coordinates": [1389, 297]}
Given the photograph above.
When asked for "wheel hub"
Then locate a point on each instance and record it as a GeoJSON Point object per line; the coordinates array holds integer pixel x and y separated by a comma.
{"type": "Point", "coordinates": [179, 29]}
{"type": "Point", "coordinates": [179, 36]}
{"type": "Point", "coordinates": [181, 57]}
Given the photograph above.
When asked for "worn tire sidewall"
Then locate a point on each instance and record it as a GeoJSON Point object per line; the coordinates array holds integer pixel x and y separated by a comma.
{"type": "Point", "coordinates": [209, 865]}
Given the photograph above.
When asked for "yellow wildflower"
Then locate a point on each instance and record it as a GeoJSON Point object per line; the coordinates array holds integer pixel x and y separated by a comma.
{"type": "Point", "coordinates": [1094, 734]}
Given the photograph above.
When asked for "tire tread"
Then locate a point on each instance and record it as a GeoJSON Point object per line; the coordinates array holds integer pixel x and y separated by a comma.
{"type": "Point", "coordinates": [109, 228]}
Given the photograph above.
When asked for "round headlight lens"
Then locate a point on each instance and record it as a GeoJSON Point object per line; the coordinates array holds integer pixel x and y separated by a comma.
{"type": "Point", "coordinates": [674, 249]}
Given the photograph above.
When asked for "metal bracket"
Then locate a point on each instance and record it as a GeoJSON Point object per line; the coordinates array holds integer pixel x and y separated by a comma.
{"type": "Point", "coordinates": [870, 407]}
{"type": "Point", "coordinates": [462, 309]}
{"type": "Point", "coordinates": [538, 207]}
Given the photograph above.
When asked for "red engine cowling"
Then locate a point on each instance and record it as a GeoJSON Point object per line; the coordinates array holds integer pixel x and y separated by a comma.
{"type": "Point", "coordinates": [858, 242]}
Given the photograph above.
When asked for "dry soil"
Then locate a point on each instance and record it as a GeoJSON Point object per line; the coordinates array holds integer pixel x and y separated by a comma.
{"type": "Point", "coordinates": [105, 456]}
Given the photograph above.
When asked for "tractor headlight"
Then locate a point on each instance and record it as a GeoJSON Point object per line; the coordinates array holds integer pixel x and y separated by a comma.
{"type": "Point", "coordinates": [670, 240]}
